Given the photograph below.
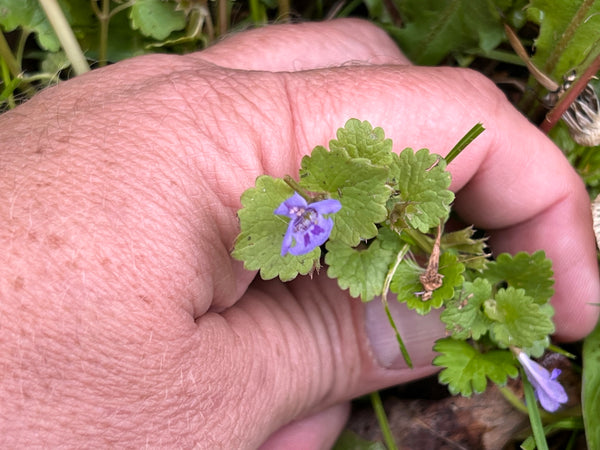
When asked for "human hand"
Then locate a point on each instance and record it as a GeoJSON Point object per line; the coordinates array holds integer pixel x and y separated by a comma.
{"type": "Point", "coordinates": [124, 319]}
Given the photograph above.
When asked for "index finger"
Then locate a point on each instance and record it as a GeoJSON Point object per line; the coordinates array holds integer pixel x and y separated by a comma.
{"type": "Point", "coordinates": [512, 180]}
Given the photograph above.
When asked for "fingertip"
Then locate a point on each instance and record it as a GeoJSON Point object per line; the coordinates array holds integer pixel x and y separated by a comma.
{"type": "Point", "coordinates": [317, 431]}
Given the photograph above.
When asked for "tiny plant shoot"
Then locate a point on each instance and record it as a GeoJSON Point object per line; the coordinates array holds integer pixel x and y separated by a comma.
{"type": "Point", "coordinates": [377, 220]}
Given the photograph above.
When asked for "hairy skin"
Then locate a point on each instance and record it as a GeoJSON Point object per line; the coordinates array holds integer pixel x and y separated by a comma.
{"type": "Point", "coordinates": [123, 319]}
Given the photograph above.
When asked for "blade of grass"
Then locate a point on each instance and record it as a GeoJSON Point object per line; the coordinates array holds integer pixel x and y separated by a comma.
{"type": "Point", "coordinates": [466, 140]}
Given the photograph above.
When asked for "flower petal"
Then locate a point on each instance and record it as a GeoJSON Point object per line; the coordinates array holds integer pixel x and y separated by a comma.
{"type": "Point", "coordinates": [328, 206]}
{"type": "Point", "coordinates": [287, 239]}
{"type": "Point", "coordinates": [308, 227]}
{"type": "Point", "coordinates": [548, 391]}
{"type": "Point", "coordinates": [293, 203]}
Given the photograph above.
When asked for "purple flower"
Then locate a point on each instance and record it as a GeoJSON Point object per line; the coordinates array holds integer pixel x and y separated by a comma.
{"type": "Point", "coordinates": [548, 391]}
{"type": "Point", "coordinates": [308, 227]}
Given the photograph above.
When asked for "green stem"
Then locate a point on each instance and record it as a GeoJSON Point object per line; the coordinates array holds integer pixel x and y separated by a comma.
{"type": "Point", "coordinates": [386, 431]}
{"type": "Point", "coordinates": [257, 12]}
{"type": "Point", "coordinates": [104, 19]}
{"type": "Point", "coordinates": [422, 241]}
{"type": "Point", "coordinates": [401, 343]}
{"type": "Point", "coordinates": [386, 286]}
{"type": "Point", "coordinates": [534, 414]}
{"type": "Point", "coordinates": [296, 187]}
{"type": "Point", "coordinates": [284, 10]}
{"type": "Point", "coordinates": [13, 62]}
{"type": "Point", "coordinates": [7, 81]}
{"type": "Point", "coordinates": [65, 36]}
{"type": "Point", "coordinates": [349, 8]}
{"type": "Point", "coordinates": [8, 57]}
{"type": "Point", "coordinates": [465, 140]}
{"type": "Point", "coordinates": [513, 399]}
{"type": "Point", "coordinates": [498, 55]}
{"type": "Point", "coordinates": [222, 17]}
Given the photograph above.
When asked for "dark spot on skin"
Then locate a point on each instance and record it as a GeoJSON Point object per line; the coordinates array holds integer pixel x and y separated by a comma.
{"type": "Point", "coordinates": [19, 283]}
{"type": "Point", "coordinates": [54, 241]}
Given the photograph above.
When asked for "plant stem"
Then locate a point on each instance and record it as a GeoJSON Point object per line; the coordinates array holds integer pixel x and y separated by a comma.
{"type": "Point", "coordinates": [284, 10]}
{"type": "Point", "coordinates": [349, 8]}
{"type": "Point", "coordinates": [222, 17]}
{"type": "Point", "coordinates": [257, 12]}
{"type": "Point", "coordinates": [104, 19]}
{"type": "Point", "coordinates": [8, 88]}
{"type": "Point", "coordinates": [13, 64]}
{"type": "Point", "coordinates": [386, 286]}
{"type": "Point", "coordinates": [297, 188]}
{"type": "Point", "coordinates": [570, 96]}
{"type": "Point", "coordinates": [534, 414]}
{"type": "Point", "coordinates": [8, 57]}
{"type": "Point", "coordinates": [65, 36]}
{"type": "Point", "coordinates": [388, 437]}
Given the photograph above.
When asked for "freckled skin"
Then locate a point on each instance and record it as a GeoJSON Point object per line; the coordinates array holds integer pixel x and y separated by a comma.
{"type": "Point", "coordinates": [124, 320]}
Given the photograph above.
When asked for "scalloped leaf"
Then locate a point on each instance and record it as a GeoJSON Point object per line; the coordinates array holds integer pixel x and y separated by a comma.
{"type": "Point", "coordinates": [467, 371]}
{"type": "Point", "coordinates": [259, 242]}
{"type": "Point", "coordinates": [518, 320]}
{"type": "Point", "coordinates": [408, 288]}
{"type": "Point", "coordinates": [358, 185]}
{"type": "Point", "coordinates": [463, 316]}
{"type": "Point", "coordinates": [29, 15]}
{"type": "Point", "coordinates": [361, 140]}
{"type": "Point", "coordinates": [363, 270]}
{"type": "Point", "coordinates": [531, 272]}
{"type": "Point", "coordinates": [421, 184]}
{"type": "Point", "coordinates": [156, 18]}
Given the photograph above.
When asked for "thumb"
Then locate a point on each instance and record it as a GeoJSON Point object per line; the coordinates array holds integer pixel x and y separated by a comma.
{"type": "Point", "coordinates": [290, 350]}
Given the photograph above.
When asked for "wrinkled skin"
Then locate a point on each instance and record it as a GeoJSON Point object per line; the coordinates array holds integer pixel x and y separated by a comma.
{"type": "Point", "coordinates": [123, 319]}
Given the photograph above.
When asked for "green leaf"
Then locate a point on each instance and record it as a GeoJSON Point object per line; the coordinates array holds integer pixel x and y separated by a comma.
{"type": "Point", "coordinates": [471, 252]}
{"type": "Point", "coordinates": [407, 286]}
{"type": "Point", "coordinates": [358, 185]}
{"type": "Point", "coordinates": [467, 371]}
{"type": "Point", "coordinates": [591, 388]}
{"type": "Point", "coordinates": [360, 140]}
{"type": "Point", "coordinates": [434, 28]}
{"type": "Point", "coordinates": [463, 316]}
{"type": "Point", "coordinates": [262, 231]}
{"type": "Point", "coordinates": [518, 320]}
{"type": "Point", "coordinates": [349, 440]}
{"type": "Point", "coordinates": [421, 182]}
{"type": "Point", "coordinates": [29, 15]}
{"type": "Point", "coordinates": [533, 273]}
{"type": "Point", "coordinates": [363, 270]}
{"type": "Point", "coordinates": [569, 34]}
{"type": "Point", "coordinates": [156, 18]}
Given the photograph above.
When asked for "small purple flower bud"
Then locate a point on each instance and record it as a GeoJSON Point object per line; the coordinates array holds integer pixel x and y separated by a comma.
{"type": "Point", "coordinates": [308, 227]}
{"type": "Point", "coordinates": [548, 391]}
